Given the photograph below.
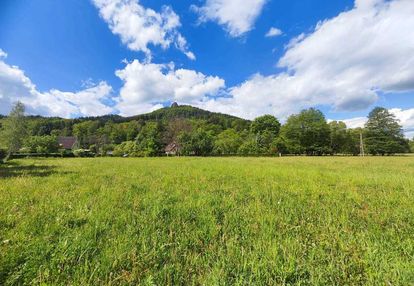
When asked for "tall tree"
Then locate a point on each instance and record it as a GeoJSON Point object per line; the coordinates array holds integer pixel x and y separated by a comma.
{"type": "Point", "coordinates": [86, 132]}
{"type": "Point", "coordinates": [307, 132]}
{"type": "Point", "coordinates": [338, 136]}
{"type": "Point", "coordinates": [14, 129]}
{"type": "Point", "coordinates": [149, 140]}
{"type": "Point", "coordinates": [265, 123]}
{"type": "Point", "coordinates": [265, 129]}
{"type": "Point", "coordinates": [174, 128]}
{"type": "Point", "coordinates": [383, 133]}
{"type": "Point", "coordinates": [353, 142]}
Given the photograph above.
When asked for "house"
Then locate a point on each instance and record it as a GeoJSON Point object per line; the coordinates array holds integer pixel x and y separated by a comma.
{"type": "Point", "coordinates": [172, 149]}
{"type": "Point", "coordinates": [67, 142]}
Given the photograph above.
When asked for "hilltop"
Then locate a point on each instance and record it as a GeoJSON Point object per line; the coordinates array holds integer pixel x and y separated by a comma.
{"type": "Point", "coordinates": [175, 111]}
{"type": "Point", "coordinates": [182, 111]}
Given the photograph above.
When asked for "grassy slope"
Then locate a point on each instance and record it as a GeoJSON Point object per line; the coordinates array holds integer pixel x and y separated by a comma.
{"type": "Point", "coordinates": [208, 221]}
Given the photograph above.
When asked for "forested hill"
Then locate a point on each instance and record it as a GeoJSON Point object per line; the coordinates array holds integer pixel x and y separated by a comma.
{"type": "Point", "coordinates": [40, 125]}
{"type": "Point", "coordinates": [184, 111]}
{"type": "Point", "coordinates": [169, 113]}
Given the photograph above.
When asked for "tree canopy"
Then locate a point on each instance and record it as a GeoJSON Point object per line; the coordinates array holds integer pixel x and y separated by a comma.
{"type": "Point", "coordinates": [265, 123]}
{"type": "Point", "coordinates": [383, 133]}
{"type": "Point", "coordinates": [307, 132]}
{"type": "Point", "coordinates": [14, 129]}
{"type": "Point", "coordinates": [197, 132]}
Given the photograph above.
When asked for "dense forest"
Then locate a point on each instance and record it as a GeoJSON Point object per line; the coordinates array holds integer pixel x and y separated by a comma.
{"type": "Point", "coordinates": [190, 131]}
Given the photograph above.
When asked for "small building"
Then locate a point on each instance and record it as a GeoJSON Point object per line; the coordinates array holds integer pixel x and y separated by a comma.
{"type": "Point", "coordinates": [67, 142]}
{"type": "Point", "coordinates": [172, 149]}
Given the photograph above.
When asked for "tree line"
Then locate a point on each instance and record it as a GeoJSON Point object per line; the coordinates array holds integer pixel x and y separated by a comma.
{"type": "Point", "coordinates": [195, 132]}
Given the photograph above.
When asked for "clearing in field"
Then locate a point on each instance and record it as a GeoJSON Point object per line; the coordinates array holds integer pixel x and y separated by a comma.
{"type": "Point", "coordinates": [210, 221]}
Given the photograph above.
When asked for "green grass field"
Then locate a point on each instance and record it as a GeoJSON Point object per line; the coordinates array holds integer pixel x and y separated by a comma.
{"type": "Point", "coordinates": [207, 221]}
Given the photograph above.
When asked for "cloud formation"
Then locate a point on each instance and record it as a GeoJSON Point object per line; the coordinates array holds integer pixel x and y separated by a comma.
{"type": "Point", "coordinates": [16, 86]}
{"type": "Point", "coordinates": [147, 85]}
{"type": "Point", "coordinates": [139, 27]}
{"type": "Point", "coordinates": [345, 63]}
{"type": "Point", "coordinates": [237, 16]}
{"type": "Point", "coordinates": [273, 32]}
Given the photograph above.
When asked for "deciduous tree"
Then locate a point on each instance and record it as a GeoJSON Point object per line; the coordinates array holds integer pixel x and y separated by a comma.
{"type": "Point", "coordinates": [307, 132]}
{"type": "Point", "coordinates": [14, 129]}
{"type": "Point", "coordinates": [149, 139]}
{"type": "Point", "coordinates": [198, 142]}
{"type": "Point", "coordinates": [338, 136]}
{"type": "Point", "coordinates": [227, 142]}
{"type": "Point", "coordinates": [265, 123]}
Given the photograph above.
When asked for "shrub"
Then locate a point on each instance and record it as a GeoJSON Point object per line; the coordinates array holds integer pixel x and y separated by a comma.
{"type": "Point", "coordinates": [129, 148]}
{"type": "Point", "coordinates": [249, 147]}
{"type": "Point", "coordinates": [66, 153]}
{"type": "Point", "coordinates": [83, 153]}
{"type": "Point", "coordinates": [42, 144]}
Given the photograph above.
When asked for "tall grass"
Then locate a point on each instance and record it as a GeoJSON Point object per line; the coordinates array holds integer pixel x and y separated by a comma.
{"type": "Point", "coordinates": [207, 221]}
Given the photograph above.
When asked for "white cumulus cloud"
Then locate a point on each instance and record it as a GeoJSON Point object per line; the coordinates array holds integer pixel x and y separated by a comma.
{"type": "Point", "coordinates": [237, 16]}
{"type": "Point", "coordinates": [3, 54]}
{"type": "Point", "coordinates": [273, 32]}
{"type": "Point", "coordinates": [148, 85]}
{"type": "Point", "coordinates": [406, 117]}
{"type": "Point", "coordinates": [355, 122]}
{"type": "Point", "coordinates": [16, 86]}
{"type": "Point", "coordinates": [139, 27]}
{"type": "Point", "coordinates": [345, 63]}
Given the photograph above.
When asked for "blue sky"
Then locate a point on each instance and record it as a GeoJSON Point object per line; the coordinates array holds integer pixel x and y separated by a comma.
{"type": "Point", "coordinates": [90, 57]}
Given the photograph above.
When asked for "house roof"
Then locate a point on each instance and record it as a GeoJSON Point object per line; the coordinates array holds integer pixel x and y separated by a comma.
{"type": "Point", "coordinates": [172, 147]}
{"type": "Point", "coordinates": [67, 142]}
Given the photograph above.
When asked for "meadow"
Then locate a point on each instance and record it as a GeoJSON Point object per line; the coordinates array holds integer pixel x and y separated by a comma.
{"type": "Point", "coordinates": [207, 221]}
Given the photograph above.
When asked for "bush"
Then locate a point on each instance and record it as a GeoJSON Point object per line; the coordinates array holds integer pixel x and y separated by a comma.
{"type": "Point", "coordinates": [83, 153]}
{"type": "Point", "coordinates": [107, 150]}
{"type": "Point", "coordinates": [227, 143]}
{"type": "Point", "coordinates": [127, 148]}
{"type": "Point", "coordinates": [42, 144]}
{"type": "Point", "coordinates": [279, 146]}
{"type": "Point", "coordinates": [249, 147]}
{"type": "Point", "coordinates": [26, 150]}
{"type": "Point", "coordinates": [66, 153]}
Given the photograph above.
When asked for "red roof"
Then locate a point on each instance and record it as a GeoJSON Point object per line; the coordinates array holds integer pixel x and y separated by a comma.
{"type": "Point", "coordinates": [66, 142]}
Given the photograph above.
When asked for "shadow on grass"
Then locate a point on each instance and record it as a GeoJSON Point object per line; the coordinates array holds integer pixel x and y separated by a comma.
{"type": "Point", "coordinates": [13, 169]}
